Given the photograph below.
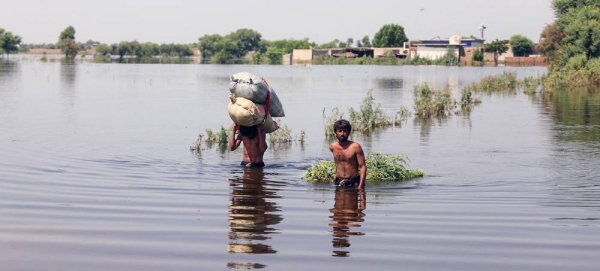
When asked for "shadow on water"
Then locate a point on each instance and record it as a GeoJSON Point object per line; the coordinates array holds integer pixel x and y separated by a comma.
{"type": "Point", "coordinates": [346, 217]}
{"type": "Point", "coordinates": [252, 215]}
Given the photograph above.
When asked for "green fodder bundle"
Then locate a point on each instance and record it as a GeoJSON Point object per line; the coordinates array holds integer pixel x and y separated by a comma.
{"type": "Point", "coordinates": [380, 168]}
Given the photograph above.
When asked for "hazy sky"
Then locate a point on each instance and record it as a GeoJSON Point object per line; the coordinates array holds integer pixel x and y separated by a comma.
{"type": "Point", "coordinates": [179, 21]}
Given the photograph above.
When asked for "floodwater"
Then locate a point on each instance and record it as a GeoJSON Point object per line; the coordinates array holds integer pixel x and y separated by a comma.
{"type": "Point", "coordinates": [96, 174]}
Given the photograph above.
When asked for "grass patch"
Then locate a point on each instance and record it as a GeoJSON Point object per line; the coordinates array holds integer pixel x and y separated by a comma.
{"type": "Point", "coordinates": [381, 168]}
{"type": "Point", "coordinates": [221, 137]}
{"type": "Point", "coordinates": [284, 135]}
{"type": "Point", "coordinates": [366, 118]}
{"type": "Point", "coordinates": [432, 102]}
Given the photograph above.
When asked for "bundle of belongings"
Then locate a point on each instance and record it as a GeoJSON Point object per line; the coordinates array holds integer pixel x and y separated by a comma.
{"type": "Point", "coordinates": [253, 102]}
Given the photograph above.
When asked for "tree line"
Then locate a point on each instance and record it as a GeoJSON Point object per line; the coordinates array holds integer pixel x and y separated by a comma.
{"type": "Point", "coordinates": [571, 43]}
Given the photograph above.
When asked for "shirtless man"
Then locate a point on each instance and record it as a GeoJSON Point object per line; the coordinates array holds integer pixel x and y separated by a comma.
{"type": "Point", "coordinates": [255, 144]}
{"type": "Point", "coordinates": [350, 167]}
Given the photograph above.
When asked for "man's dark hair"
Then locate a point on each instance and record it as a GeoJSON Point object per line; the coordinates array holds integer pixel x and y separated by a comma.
{"type": "Point", "coordinates": [249, 132]}
{"type": "Point", "coordinates": [342, 124]}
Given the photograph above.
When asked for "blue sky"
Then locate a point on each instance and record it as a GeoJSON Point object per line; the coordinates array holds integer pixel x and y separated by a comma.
{"type": "Point", "coordinates": [179, 21]}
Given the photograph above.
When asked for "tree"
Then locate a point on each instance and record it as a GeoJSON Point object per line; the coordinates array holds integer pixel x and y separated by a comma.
{"type": "Point", "coordinates": [521, 45]}
{"type": "Point", "coordinates": [366, 42]}
{"type": "Point", "coordinates": [208, 45]}
{"type": "Point", "coordinates": [477, 55]}
{"type": "Point", "coordinates": [67, 43]}
{"type": "Point", "coordinates": [550, 40]}
{"type": "Point", "coordinates": [246, 40]}
{"type": "Point", "coordinates": [231, 48]}
{"type": "Point", "coordinates": [562, 7]}
{"type": "Point", "coordinates": [349, 42]}
{"type": "Point", "coordinates": [103, 50]}
{"type": "Point", "coordinates": [575, 54]}
{"type": "Point", "coordinates": [9, 42]}
{"type": "Point", "coordinates": [390, 35]}
{"type": "Point", "coordinates": [498, 48]}
{"type": "Point", "coordinates": [332, 44]}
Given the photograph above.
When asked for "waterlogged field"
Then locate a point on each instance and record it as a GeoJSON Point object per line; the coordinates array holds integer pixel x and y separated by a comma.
{"type": "Point", "coordinates": [96, 174]}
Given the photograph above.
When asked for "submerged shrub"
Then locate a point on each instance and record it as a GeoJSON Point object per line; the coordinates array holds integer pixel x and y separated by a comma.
{"type": "Point", "coordinates": [284, 135]}
{"type": "Point", "coordinates": [467, 101]}
{"type": "Point", "coordinates": [381, 168]}
{"type": "Point", "coordinates": [433, 103]}
{"type": "Point", "coordinates": [367, 118]}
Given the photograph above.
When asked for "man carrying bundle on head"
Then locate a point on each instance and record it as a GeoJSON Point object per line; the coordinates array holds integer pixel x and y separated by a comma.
{"type": "Point", "coordinates": [255, 144]}
{"type": "Point", "coordinates": [253, 104]}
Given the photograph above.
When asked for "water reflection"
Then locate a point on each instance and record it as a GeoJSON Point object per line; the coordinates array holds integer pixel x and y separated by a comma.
{"type": "Point", "coordinates": [68, 75]}
{"type": "Point", "coordinates": [575, 149]}
{"type": "Point", "coordinates": [252, 214]}
{"type": "Point", "coordinates": [390, 83]}
{"type": "Point", "coordinates": [347, 215]}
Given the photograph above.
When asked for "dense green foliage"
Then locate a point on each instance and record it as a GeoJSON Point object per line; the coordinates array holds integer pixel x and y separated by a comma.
{"type": "Point", "coordinates": [497, 47]}
{"type": "Point", "coordinates": [9, 42]}
{"type": "Point", "coordinates": [143, 50]}
{"type": "Point", "coordinates": [573, 44]}
{"type": "Point", "coordinates": [390, 35]}
{"type": "Point", "coordinates": [433, 103]}
{"type": "Point", "coordinates": [365, 42]}
{"type": "Point", "coordinates": [477, 55]}
{"type": "Point", "coordinates": [67, 43]}
{"type": "Point", "coordinates": [276, 49]}
{"type": "Point", "coordinates": [231, 48]}
{"type": "Point", "coordinates": [521, 45]}
{"type": "Point", "coordinates": [448, 59]}
{"type": "Point", "coordinates": [380, 168]}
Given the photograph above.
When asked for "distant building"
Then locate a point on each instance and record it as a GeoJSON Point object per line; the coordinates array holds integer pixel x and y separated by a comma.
{"type": "Point", "coordinates": [454, 40]}
{"type": "Point", "coordinates": [438, 47]}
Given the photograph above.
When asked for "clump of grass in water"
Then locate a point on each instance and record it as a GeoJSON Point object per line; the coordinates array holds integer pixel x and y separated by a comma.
{"type": "Point", "coordinates": [284, 135]}
{"type": "Point", "coordinates": [507, 81]}
{"type": "Point", "coordinates": [221, 137]}
{"type": "Point", "coordinates": [467, 101]}
{"type": "Point", "coordinates": [381, 168]}
{"type": "Point", "coordinates": [530, 84]}
{"type": "Point", "coordinates": [433, 103]}
{"type": "Point", "coordinates": [367, 118]}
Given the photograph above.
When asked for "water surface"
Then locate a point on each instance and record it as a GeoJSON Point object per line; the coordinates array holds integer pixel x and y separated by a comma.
{"type": "Point", "coordinates": [96, 174]}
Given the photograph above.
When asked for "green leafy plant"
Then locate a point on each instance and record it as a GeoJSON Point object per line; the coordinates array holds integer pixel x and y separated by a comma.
{"type": "Point", "coordinates": [380, 168]}
{"type": "Point", "coordinates": [433, 103]}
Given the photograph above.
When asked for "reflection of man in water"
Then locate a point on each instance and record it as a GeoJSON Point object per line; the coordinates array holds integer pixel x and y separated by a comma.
{"type": "Point", "coordinates": [250, 214]}
{"type": "Point", "coordinates": [347, 213]}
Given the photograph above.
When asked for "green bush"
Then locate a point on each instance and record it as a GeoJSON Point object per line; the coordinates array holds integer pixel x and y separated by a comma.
{"type": "Point", "coordinates": [477, 55]}
{"type": "Point", "coordinates": [433, 103]}
{"type": "Point", "coordinates": [380, 168]}
{"type": "Point", "coordinates": [366, 119]}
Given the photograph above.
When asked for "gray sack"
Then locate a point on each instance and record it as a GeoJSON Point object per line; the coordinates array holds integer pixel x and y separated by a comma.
{"type": "Point", "coordinates": [252, 87]}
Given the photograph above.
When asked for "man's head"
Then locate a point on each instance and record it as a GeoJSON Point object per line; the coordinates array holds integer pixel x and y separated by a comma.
{"type": "Point", "coordinates": [342, 129]}
{"type": "Point", "coordinates": [249, 132]}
